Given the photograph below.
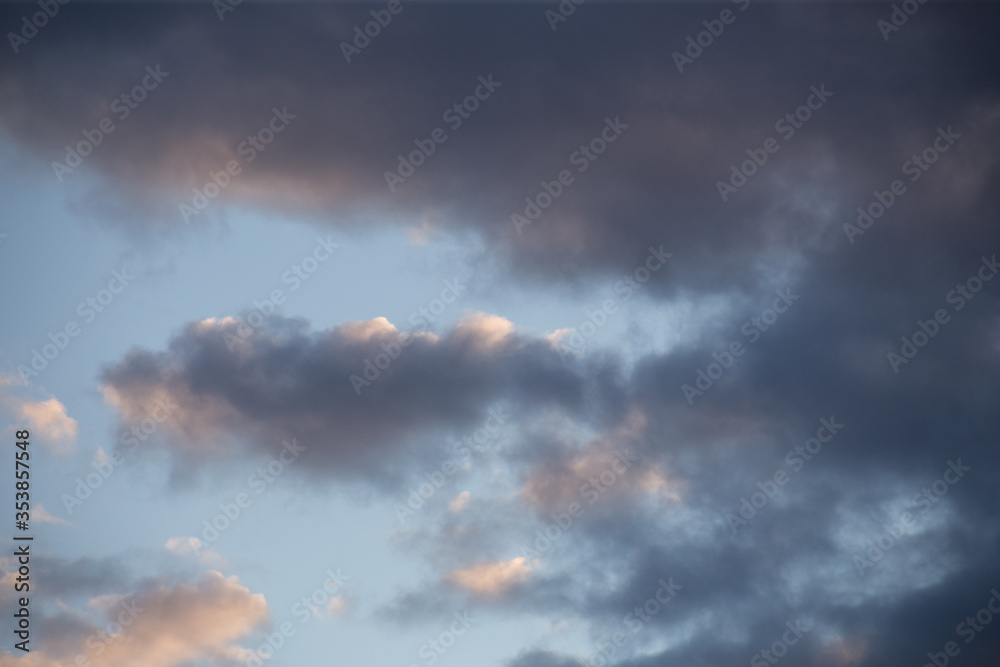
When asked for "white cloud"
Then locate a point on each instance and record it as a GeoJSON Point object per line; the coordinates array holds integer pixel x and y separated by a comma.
{"type": "Point", "coordinates": [338, 606]}
{"type": "Point", "coordinates": [47, 420]}
{"type": "Point", "coordinates": [167, 627]}
{"type": "Point", "coordinates": [459, 502]}
{"type": "Point", "coordinates": [491, 579]}
{"type": "Point", "coordinates": [192, 546]}
{"type": "Point", "coordinates": [41, 515]}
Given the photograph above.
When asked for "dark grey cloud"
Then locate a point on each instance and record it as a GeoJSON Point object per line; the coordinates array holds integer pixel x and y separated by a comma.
{"type": "Point", "coordinates": [358, 401]}
{"type": "Point", "coordinates": [655, 184]}
{"type": "Point", "coordinates": [823, 359]}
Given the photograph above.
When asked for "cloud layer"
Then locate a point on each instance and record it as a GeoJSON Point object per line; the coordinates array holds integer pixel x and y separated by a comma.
{"type": "Point", "coordinates": [784, 447]}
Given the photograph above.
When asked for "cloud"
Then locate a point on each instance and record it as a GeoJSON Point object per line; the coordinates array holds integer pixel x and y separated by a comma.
{"type": "Point", "coordinates": [846, 651]}
{"type": "Point", "coordinates": [607, 465]}
{"type": "Point", "coordinates": [338, 606]}
{"type": "Point", "coordinates": [168, 626]}
{"type": "Point", "coordinates": [459, 502]}
{"type": "Point", "coordinates": [193, 547]}
{"type": "Point", "coordinates": [491, 579]}
{"type": "Point", "coordinates": [46, 419]}
{"type": "Point", "coordinates": [287, 382]}
{"type": "Point", "coordinates": [183, 546]}
{"type": "Point", "coordinates": [49, 418]}
{"type": "Point", "coordinates": [40, 514]}
{"type": "Point", "coordinates": [656, 183]}
{"type": "Point", "coordinates": [667, 512]}
{"type": "Point", "coordinates": [63, 578]}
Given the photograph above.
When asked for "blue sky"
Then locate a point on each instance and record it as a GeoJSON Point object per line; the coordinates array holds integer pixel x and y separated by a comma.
{"type": "Point", "coordinates": [293, 534]}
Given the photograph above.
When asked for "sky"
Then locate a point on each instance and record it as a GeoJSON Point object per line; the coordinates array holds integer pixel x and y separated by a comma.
{"type": "Point", "coordinates": [526, 334]}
